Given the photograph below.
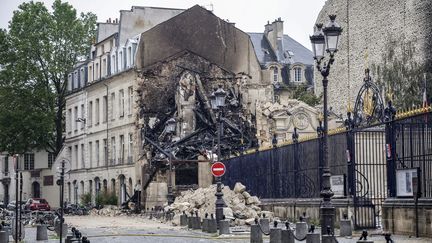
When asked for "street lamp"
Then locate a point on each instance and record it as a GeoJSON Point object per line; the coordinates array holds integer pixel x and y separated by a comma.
{"type": "Point", "coordinates": [170, 128]}
{"type": "Point", "coordinates": [326, 38]}
{"type": "Point", "coordinates": [217, 100]}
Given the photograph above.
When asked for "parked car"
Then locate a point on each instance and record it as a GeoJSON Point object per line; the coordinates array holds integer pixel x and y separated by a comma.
{"type": "Point", "coordinates": [11, 206]}
{"type": "Point", "coordinates": [37, 204]}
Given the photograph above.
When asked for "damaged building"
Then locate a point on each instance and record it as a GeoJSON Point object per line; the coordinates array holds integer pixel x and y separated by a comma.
{"type": "Point", "coordinates": [157, 67]}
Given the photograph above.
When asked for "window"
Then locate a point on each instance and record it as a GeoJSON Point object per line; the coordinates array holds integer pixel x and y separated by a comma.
{"type": "Point", "coordinates": [90, 147]}
{"type": "Point", "coordinates": [121, 103]}
{"type": "Point", "coordinates": [82, 156]}
{"type": "Point", "coordinates": [90, 114]}
{"type": "Point", "coordinates": [82, 117]}
{"type": "Point", "coordinates": [90, 74]}
{"type": "Point", "coordinates": [113, 66]}
{"type": "Point", "coordinates": [76, 156]}
{"type": "Point", "coordinates": [130, 146]}
{"type": "Point", "coordinates": [122, 149]}
{"type": "Point", "coordinates": [112, 106]}
{"type": "Point", "coordinates": [275, 75]}
{"type": "Point", "coordinates": [97, 112]}
{"type": "Point", "coordinates": [120, 57]}
{"type": "Point", "coordinates": [69, 123]}
{"type": "Point", "coordinates": [51, 158]}
{"type": "Point", "coordinates": [97, 153]}
{"type": "Point", "coordinates": [129, 53]}
{"type": "Point", "coordinates": [70, 153]}
{"type": "Point", "coordinates": [105, 109]}
{"type": "Point", "coordinates": [6, 165]}
{"type": "Point", "coordinates": [297, 74]}
{"type": "Point", "coordinates": [75, 118]}
{"type": "Point", "coordinates": [105, 142]}
{"type": "Point", "coordinates": [28, 161]}
{"type": "Point", "coordinates": [113, 151]}
{"type": "Point", "coordinates": [130, 100]}
{"type": "Point", "coordinates": [97, 71]}
{"type": "Point", "coordinates": [104, 67]}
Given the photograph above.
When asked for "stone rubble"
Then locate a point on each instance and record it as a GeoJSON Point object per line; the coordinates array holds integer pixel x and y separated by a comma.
{"type": "Point", "coordinates": [242, 208]}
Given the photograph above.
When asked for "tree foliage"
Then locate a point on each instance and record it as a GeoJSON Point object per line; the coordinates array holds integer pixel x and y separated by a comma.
{"type": "Point", "coordinates": [36, 54]}
{"type": "Point", "coordinates": [400, 76]}
{"type": "Point", "coordinates": [301, 92]}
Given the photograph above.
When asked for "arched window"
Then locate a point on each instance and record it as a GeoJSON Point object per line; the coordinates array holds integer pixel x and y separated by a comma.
{"type": "Point", "coordinates": [298, 74]}
{"type": "Point", "coordinates": [275, 75]}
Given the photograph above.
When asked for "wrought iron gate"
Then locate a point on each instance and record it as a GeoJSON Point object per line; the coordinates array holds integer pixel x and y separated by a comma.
{"type": "Point", "coordinates": [368, 170]}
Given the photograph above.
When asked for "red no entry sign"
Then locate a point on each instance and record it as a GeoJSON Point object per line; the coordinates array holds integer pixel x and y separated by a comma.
{"type": "Point", "coordinates": [218, 169]}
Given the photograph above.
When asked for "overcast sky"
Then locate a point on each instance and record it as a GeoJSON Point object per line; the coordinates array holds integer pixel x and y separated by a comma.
{"type": "Point", "coordinates": [249, 15]}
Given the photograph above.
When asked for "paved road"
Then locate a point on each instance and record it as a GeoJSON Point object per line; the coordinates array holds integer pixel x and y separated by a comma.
{"type": "Point", "coordinates": [154, 232]}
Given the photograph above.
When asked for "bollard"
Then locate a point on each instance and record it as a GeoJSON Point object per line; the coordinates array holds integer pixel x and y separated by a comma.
{"type": "Point", "coordinates": [183, 219]}
{"type": "Point", "coordinates": [224, 227]}
{"type": "Point", "coordinates": [313, 238]}
{"type": "Point", "coordinates": [305, 219]}
{"type": "Point", "coordinates": [265, 225]}
{"type": "Point", "coordinates": [196, 221]}
{"type": "Point", "coordinates": [4, 236]}
{"type": "Point", "coordinates": [345, 227]}
{"type": "Point", "coordinates": [256, 234]}
{"type": "Point", "coordinates": [205, 223]}
{"type": "Point", "coordinates": [190, 221]}
{"type": "Point", "coordinates": [363, 238]}
{"type": "Point", "coordinates": [212, 225]}
{"type": "Point", "coordinates": [301, 229]}
{"type": "Point", "coordinates": [287, 236]}
{"type": "Point", "coordinates": [275, 235]}
{"type": "Point", "coordinates": [41, 232]}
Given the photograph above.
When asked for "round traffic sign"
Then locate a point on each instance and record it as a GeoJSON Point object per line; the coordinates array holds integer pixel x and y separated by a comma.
{"type": "Point", "coordinates": [218, 169]}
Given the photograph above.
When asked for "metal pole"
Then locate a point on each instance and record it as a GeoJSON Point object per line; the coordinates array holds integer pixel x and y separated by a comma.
{"type": "Point", "coordinates": [219, 194]}
{"type": "Point", "coordinates": [61, 198]}
{"type": "Point", "coordinates": [20, 207]}
{"type": "Point", "coordinates": [170, 187]}
{"type": "Point", "coordinates": [16, 199]}
{"type": "Point", "coordinates": [327, 210]}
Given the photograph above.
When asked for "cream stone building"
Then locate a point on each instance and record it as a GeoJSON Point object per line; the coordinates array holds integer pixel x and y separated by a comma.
{"type": "Point", "coordinates": [38, 175]}
{"type": "Point", "coordinates": [151, 65]}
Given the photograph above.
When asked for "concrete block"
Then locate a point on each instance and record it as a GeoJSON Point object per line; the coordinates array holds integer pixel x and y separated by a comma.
{"type": "Point", "coordinates": [365, 241]}
{"type": "Point", "coordinates": [224, 227]}
{"type": "Point", "coordinates": [212, 226]}
{"type": "Point", "coordinates": [287, 236]}
{"type": "Point", "coordinates": [301, 230]}
{"type": "Point", "coordinates": [4, 236]}
{"type": "Point", "coordinates": [275, 235]}
{"type": "Point", "coordinates": [41, 232]}
{"type": "Point", "coordinates": [256, 234]}
{"type": "Point", "coordinates": [313, 238]}
{"type": "Point", "coordinates": [205, 225]}
{"type": "Point", "coordinates": [345, 227]}
{"type": "Point", "coordinates": [196, 223]}
{"type": "Point", "coordinates": [183, 220]}
{"type": "Point", "coordinates": [265, 225]}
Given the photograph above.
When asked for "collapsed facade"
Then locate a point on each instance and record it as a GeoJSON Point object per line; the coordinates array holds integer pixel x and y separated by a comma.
{"type": "Point", "coordinates": [157, 64]}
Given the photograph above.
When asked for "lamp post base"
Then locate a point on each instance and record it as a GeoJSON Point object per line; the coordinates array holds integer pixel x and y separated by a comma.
{"type": "Point", "coordinates": [327, 218]}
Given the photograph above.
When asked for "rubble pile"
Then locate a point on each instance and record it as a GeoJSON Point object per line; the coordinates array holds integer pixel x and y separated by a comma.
{"type": "Point", "coordinates": [108, 210]}
{"type": "Point", "coordinates": [241, 207]}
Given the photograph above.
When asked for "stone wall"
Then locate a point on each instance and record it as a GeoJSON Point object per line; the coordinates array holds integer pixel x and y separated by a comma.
{"type": "Point", "coordinates": [399, 216]}
{"type": "Point", "coordinates": [292, 208]}
{"type": "Point", "coordinates": [370, 28]}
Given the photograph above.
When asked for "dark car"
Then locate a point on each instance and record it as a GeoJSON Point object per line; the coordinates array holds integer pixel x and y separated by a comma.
{"type": "Point", "coordinates": [37, 204]}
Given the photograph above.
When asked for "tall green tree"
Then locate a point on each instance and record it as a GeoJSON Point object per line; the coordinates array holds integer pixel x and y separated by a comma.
{"type": "Point", "coordinates": [36, 54]}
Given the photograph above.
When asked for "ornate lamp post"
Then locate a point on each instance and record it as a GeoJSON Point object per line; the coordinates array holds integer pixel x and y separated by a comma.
{"type": "Point", "coordinates": [170, 128]}
{"type": "Point", "coordinates": [326, 39]}
{"type": "Point", "coordinates": [217, 100]}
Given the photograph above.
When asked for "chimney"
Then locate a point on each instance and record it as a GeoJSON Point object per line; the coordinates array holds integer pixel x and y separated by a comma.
{"type": "Point", "coordinates": [116, 20]}
{"type": "Point", "coordinates": [274, 33]}
{"type": "Point", "coordinates": [109, 20]}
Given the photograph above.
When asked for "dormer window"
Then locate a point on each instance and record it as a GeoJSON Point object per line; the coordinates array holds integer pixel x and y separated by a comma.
{"type": "Point", "coordinates": [298, 74]}
{"type": "Point", "coordinates": [275, 75]}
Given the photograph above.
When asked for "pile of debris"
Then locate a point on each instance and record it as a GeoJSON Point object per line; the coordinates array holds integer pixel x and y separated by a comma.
{"type": "Point", "coordinates": [241, 207]}
{"type": "Point", "coordinates": [108, 210]}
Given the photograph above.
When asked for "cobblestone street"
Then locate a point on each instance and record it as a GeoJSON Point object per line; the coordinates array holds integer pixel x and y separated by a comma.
{"type": "Point", "coordinates": [134, 230]}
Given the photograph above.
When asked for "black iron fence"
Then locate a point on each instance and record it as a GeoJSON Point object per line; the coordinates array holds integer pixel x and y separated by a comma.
{"type": "Point", "coordinates": [368, 157]}
{"type": "Point", "coordinates": [292, 171]}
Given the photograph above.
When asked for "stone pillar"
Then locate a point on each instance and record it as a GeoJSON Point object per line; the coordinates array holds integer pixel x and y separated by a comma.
{"type": "Point", "coordinates": [41, 232]}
